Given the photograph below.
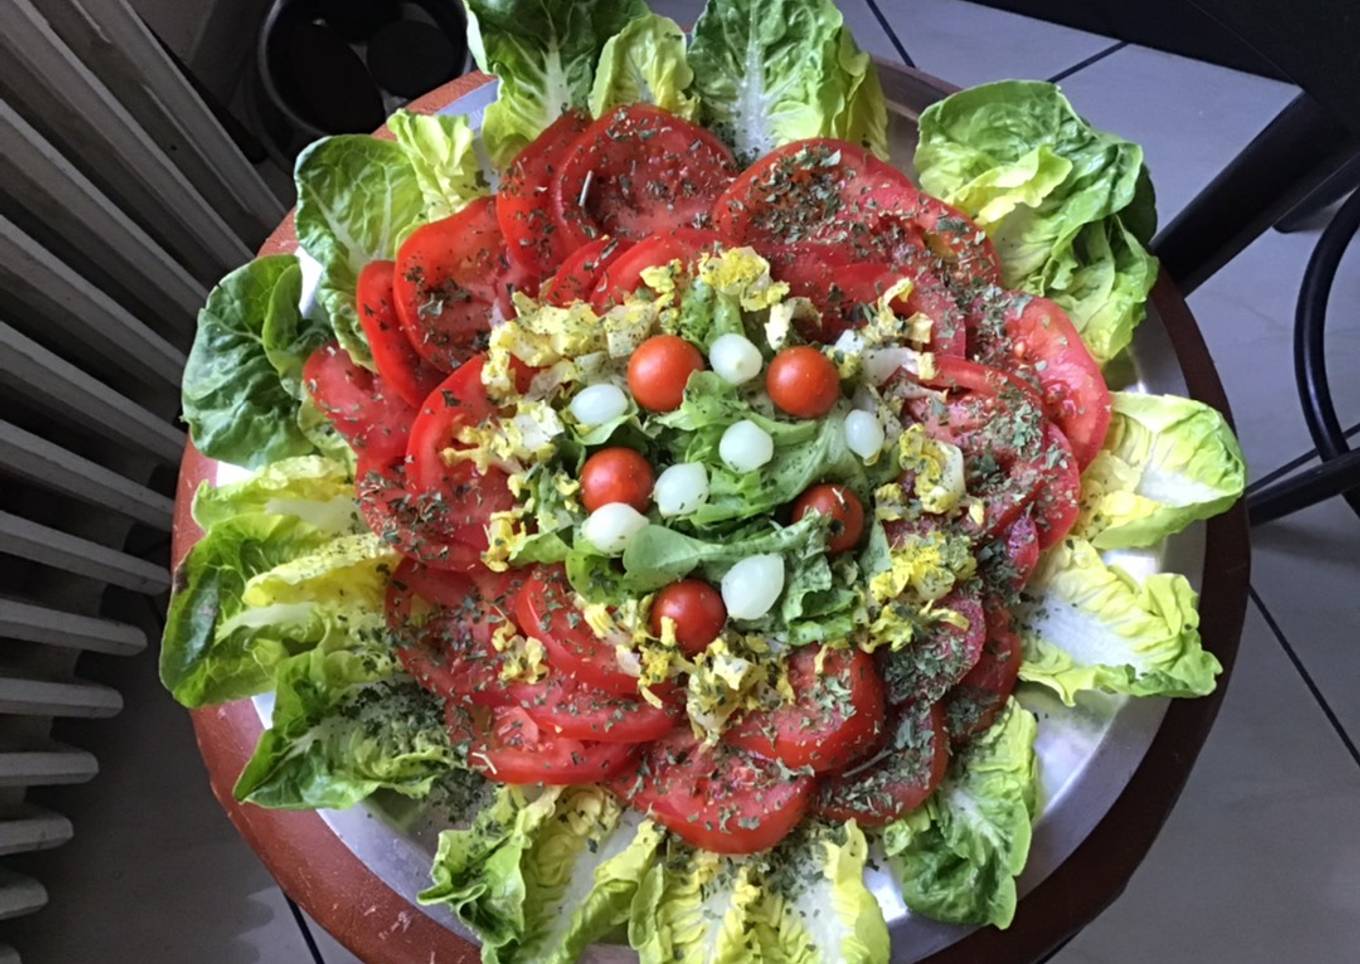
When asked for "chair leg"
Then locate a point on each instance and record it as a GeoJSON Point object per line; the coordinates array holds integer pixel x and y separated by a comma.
{"type": "Point", "coordinates": [1342, 182]}
{"type": "Point", "coordinates": [1307, 488]}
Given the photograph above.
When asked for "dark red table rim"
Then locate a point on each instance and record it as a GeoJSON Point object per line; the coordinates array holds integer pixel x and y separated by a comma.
{"type": "Point", "coordinates": [316, 869]}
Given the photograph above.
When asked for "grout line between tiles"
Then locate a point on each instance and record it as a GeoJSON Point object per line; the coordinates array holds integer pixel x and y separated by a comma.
{"type": "Point", "coordinates": [892, 34]}
{"type": "Point", "coordinates": [307, 937]}
{"type": "Point", "coordinates": [1083, 64]}
{"type": "Point", "coordinates": [1306, 677]}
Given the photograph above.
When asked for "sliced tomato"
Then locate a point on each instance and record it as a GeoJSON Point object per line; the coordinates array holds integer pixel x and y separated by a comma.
{"type": "Point", "coordinates": [544, 609]}
{"type": "Point", "coordinates": [636, 171]}
{"type": "Point", "coordinates": [1022, 549]}
{"type": "Point", "coordinates": [563, 707]}
{"type": "Point", "coordinates": [509, 747]}
{"type": "Point", "coordinates": [812, 190]}
{"type": "Point", "coordinates": [579, 273]}
{"type": "Point", "coordinates": [968, 254]}
{"type": "Point", "coordinates": [418, 525]}
{"type": "Point", "coordinates": [960, 374]}
{"type": "Point", "coordinates": [374, 419]}
{"type": "Point", "coordinates": [938, 657]}
{"type": "Point", "coordinates": [624, 275]}
{"type": "Point", "coordinates": [837, 713]}
{"type": "Point", "coordinates": [452, 281]}
{"type": "Point", "coordinates": [720, 799]}
{"type": "Point", "coordinates": [524, 201]}
{"type": "Point", "coordinates": [973, 706]}
{"type": "Point", "coordinates": [400, 367]}
{"type": "Point", "coordinates": [1035, 338]}
{"type": "Point", "coordinates": [1057, 501]}
{"type": "Point", "coordinates": [897, 779]}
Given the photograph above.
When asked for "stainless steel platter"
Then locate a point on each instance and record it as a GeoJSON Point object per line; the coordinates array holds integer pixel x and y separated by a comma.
{"type": "Point", "coordinates": [1087, 753]}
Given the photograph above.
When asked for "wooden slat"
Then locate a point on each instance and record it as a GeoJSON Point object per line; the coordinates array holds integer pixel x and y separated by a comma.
{"type": "Point", "coordinates": [71, 304]}
{"type": "Point", "coordinates": [49, 380]}
{"type": "Point", "coordinates": [36, 175]}
{"type": "Point", "coordinates": [51, 547]}
{"type": "Point", "coordinates": [56, 92]}
{"type": "Point", "coordinates": [33, 828]}
{"type": "Point", "coordinates": [49, 766]}
{"type": "Point", "coordinates": [33, 457]}
{"type": "Point", "coordinates": [54, 627]}
{"type": "Point", "coordinates": [32, 697]}
{"type": "Point", "coordinates": [20, 895]}
{"type": "Point", "coordinates": [110, 39]}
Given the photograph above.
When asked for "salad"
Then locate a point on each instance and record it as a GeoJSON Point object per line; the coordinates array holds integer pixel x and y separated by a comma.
{"type": "Point", "coordinates": [664, 487]}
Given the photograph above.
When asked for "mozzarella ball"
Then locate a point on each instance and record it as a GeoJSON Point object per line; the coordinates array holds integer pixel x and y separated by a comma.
{"type": "Point", "coordinates": [863, 434]}
{"type": "Point", "coordinates": [598, 404]}
{"type": "Point", "coordinates": [612, 526]}
{"type": "Point", "coordinates": [745, 446]}
{"type": "Point", "coordinates": [752, 587]}
{"type": "Point", "coordinates": [735, 358]}
{"type": "Point", "coordinates": [681, 489]}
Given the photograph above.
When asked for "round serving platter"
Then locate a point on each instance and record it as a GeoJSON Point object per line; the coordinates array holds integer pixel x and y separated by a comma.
{"type": "Point", "coordinates": [377, 855]}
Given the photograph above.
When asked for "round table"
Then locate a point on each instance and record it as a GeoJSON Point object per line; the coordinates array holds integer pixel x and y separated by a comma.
{"type": "Point", "coordinates": [317, 870]}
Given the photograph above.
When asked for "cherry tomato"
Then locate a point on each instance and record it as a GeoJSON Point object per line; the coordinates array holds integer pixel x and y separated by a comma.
{"type": "Point", "coordinates": [837, 713]}
{"type": "Point", "coordinates": [659, 369]}
{"type": "Point", "coordinates": [509, 747]}
{"type": "Point", "coordinates": [452, 280]}
{"type": "Point", "coordinates": [578, 274]}
{"type": "Point", "coordinates": [697, 609]}
{"type": "Point", "coordinates": [720, 799]}
{"type": "Point", "coordinates": [803, 382]}
{"type": "Point", "coordinates": [939, 655]}
{"type": "Point", "coordinates": [544, 609]}
{"type": "Point", "coordinates": [841, 506]}
{"type": "Point", "coordinates": [563, 707]}
{"type": "Point", "coordinates": [636, 171]}
{"type": "Point", "coordinates": [973, 706]}
{"type": "Point", "coordinates": [898, 779]}
{"type": "Point", "coordinates": [624, 275]}
{"type": "Point", "coordinates": [617, 474]}
{"type": "Point", "coordinates": [400, 367]}
{"type": "Point", "coordinates": [524, 201]}
{"type": "Point", "coordinates": [372, 418]}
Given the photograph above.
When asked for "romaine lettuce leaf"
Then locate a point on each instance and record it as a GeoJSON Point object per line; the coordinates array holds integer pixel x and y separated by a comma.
{"type": "Point", "coordinates": [347, 722]}
{"type": "Point", "coordinates": [544, 52]}
{"type": "Point", "coordinates": [957, 857]}
{"type": "Point", "coordinates": [357, 196]}
{"type": "Point", "coordinates": [316, 490]}
{"type": "Point", "coordinates": [1167, 462]}
{"type": "Point", "coordinates": [644, 63]}
{"type": "Point", "coordinates": [769, 72]}
{"type": "Point", "coordinates": [243, 380]}
{"type": "Point", "coordinates": [1091, 626]}
{"type": "Point", "coordinates": [696, 907]}
{"type": "Point", "coordinates": [440, 150]}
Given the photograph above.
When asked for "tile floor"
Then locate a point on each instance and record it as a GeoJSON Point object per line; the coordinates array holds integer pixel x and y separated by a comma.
{"type": "Point", "coordinates": [1261, 859]}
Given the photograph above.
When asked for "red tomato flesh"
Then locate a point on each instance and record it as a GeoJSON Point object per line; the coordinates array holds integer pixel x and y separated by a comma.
{"type": "Point", "coordinates": [524, 202]}
{"type": "Point", "coordinates": [563, 707]}
{"type": "Point", "coordinates": [374, 419]}
{"type": "Point", "coordinates": [617, 474]}
{"type": "Point", "coordinates": [938, 657]}
{"type": "Point", "coordinates": [582, 269]}
{"type": "Point", "coordinates": [509, 747]}
{"type": "Point", "coordinates": [973, 706]}
{"type": "Point", "coordinates": [624, 276]}
{"type": "Point", "coordinates": [659, 369]}
{"type": "Point", "coordinates": [400, 367]}
{"type": "Point", "coordinates": [803, 382]}
{"type": "Point", "coordinates": [841, 506]}
{"type": "Point", "coordinates": [697, 609]}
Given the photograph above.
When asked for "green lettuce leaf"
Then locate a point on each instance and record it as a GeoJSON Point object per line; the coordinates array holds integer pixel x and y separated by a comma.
{"type": "Point", "coordinates": [540, 879]}
{"type": "Point", "coordinates": [544, 52]}
{"type": "Point", "coordinates": [658, 555]}
{"type": "Point", "coordinates": [1069, 207]}
{"type": "Point", "coordinates": [769, 72]}
{"type": "Point", "coordinates": [347, 722]}
{"type": "Point", "coordinates": [1167, 462]}
{"type": "Point", "coordinates": [316, 490]}
{"type": "Point", "coordinates": [243, 379]}
{"type": "Point", "coordinates": [357, 196]}
{"type": "Point", "coordinates": [1092, 626]}
{"type": "Point", "coordinates": [696, 907]}
{"type": "Point", "coordinates": [644, 63]}
{"type": "Point", "coordinates": [440, 150]}
{"type": "Point", "coordinates": [957, 857]}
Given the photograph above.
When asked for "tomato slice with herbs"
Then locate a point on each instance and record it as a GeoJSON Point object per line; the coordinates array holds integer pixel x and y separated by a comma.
{"type": "Point", "coordinates": [623, 275]}
{"type": "Point", "coordinates": [1057, 501]}
{"type": "Point", "coordinates": [524, 201]}
{"type": "Point", "coordinates": [636, 171]}
{"type": "Point", "coordinates": [581, 271]}
{"type": "Point", "coordinates": [939, 656]}
{"type": "Point", "coordinates": [545, 610]}
{"type": "Point", "coordinates": [563, 707]}
{"type": "Point", "coordinates": [836, 716]}
{"type": "Point", "coordinates": [1022, 550]}
{"type": "Point", "coordinates": [418, 525]}
{"type": "Point", "coordinates": [967, 253]}
{"type": "Point", "coordinates": [509, 747]}
{"type": "Point", "coordinates": [720, 799]}
{"type": "Point", "coordinates": [400, 367]}
{"type": "Point", "coordinates": [973, 706]}
{"type": "Point", "coordinates": [897, 779]}
{"type": "Point", "coordinates": [374, 419]}
{"type": "Point", "coordinates": [452, 281]}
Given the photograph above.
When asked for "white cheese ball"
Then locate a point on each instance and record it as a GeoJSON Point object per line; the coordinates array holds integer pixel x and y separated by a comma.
{"type": "Point", "coordinates": [612, 526]}
{"type": "Point", "coordinates": [735, 358]}
{"type": "Point", "coordinates": [863, 434]}
{"type": "Point", "coordinates": [745, 446]}
{"type": "Point", "coordinates": [597, 404]}
{"type": "Point", "coordinates": [752, 587]}
{"type": "Point", "coordinates": [681, 489]}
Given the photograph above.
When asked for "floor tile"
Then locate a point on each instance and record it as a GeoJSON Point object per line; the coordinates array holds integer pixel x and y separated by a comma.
{"type": "Point", "coordinates": [1260, 861]}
